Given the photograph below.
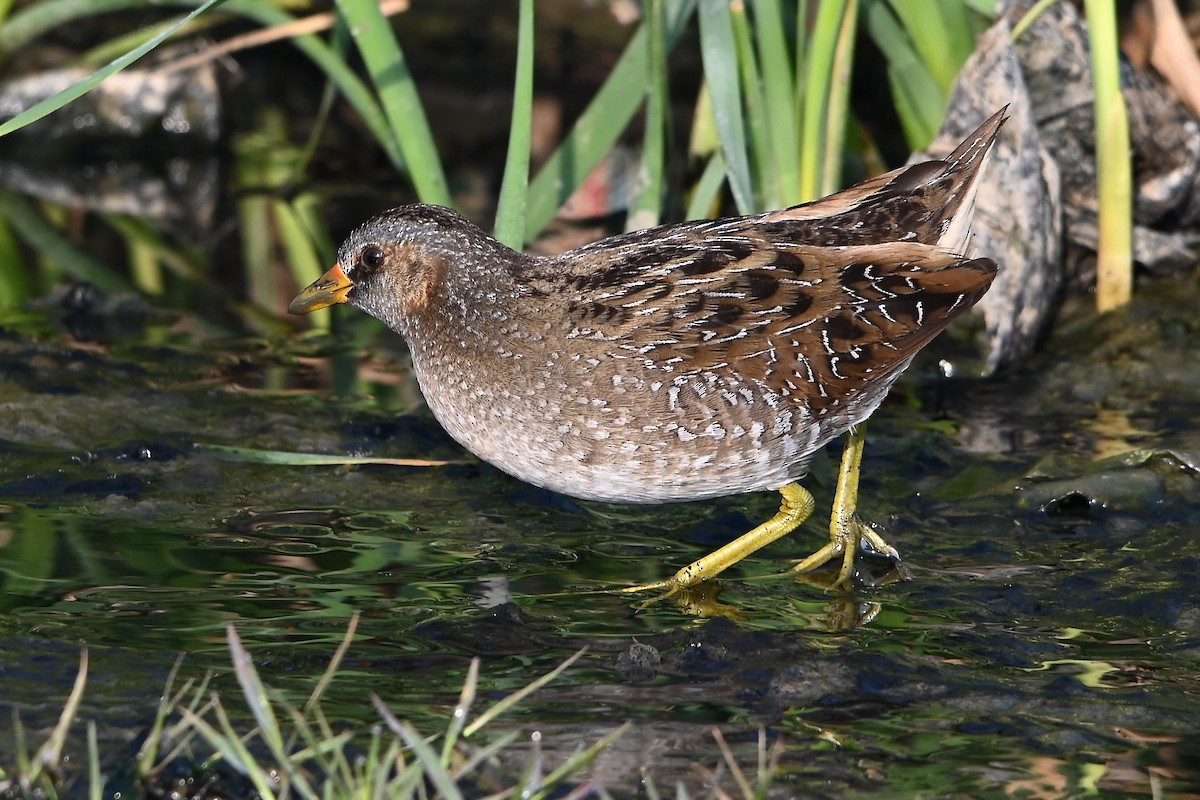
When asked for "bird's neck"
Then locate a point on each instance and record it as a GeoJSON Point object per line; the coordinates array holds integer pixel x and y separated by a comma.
{"type": "Point", "coordinates": [475, 317]}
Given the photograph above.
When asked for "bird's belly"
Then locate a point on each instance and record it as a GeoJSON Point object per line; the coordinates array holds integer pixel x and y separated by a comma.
{"type": "Point", "coordinates": [637, 440]}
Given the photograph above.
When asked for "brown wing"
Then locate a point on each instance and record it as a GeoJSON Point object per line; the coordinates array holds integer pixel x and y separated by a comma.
{"type": "Point", "coordinates": [811, 321]}
{"type": "Point", "coordinates": [931, 202]}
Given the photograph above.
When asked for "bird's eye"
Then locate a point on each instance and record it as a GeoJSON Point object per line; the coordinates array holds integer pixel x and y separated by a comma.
{"type": "Point", "coordinates": [372, 257]}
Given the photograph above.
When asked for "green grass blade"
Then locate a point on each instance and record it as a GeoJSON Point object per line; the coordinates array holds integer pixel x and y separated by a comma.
{"type": "Point", "coordinates": [143, 233]}
{"type": "Point", "coordinates": [458, 720]}
{"type": "Point", "coordinates": [803, 49]}
{"type": "Point", "coordinates": [919, 102]}
{"type": "Point", "coordinates": [437, 774]}
{"type": "Point", "coordinates": [516, 697]}
{"type": "Point", "coordinates": [482, 755]}
{"type": "Point", "coordinates": [229, 748]}
{"type": "Point", "coordinates": [817, 66]}
{"type": "Point", "coordinates": [95, 782]}
{"type": "Point", "coordinates": [766, 179]}
{"type": "Point", "coordinates": [32, 228]}
{"type": "Point", "coordinates": [645, 210]}
{"type": "Point", "coordinates": [255, 694]}
{"type": "Point", "coordinates": [148, 752]}
{"type": "Point", "coordinates": [838, 109]}
{"type": "Point", "coordinates": [1114, 170]}
{"type": "Point", "coordinates": [704, 194]}
{"type": "Point", "coordinates": [20, 745]}
{"type": "Point", "coordinates": [779, 92]}
{"type": "Point", "coordinates": [718, 50]}
{"type": "Point", "coordinates": [1030, 17]}
{"type": "Point", "coordinates": [50, 753]}
{"type": "Point", "coordinates": [941, 35]}
{"type": "Point", "coordinates": [514, 190]}
{"type": "Point", "coordinates": [17, 284]}
{"type": "Point", "coordinates": [36, 19]}
{"type": "Point", "coordinates": [84, 85]}
{"type": "Point", "coordinates": [334, 663]}
{"type": "Point", "coordinates": [40, 17]}
{"type": "Point", "coordinates": [833, 16]}
{"type": "Point", "coordinates": [389, 72]}
{"type": "Point", "coordinates": [254, 691]}
{"type": "Point", "coordinates": [248, 455]}
{"type": "Point", "coordinates": [600, 123]}
{"type": "Point", "coordinates": [580, 760]}
{"type": "Point", "coordinates": [335, 68]}
{"type": "Point", "coordinates": [293, 231]}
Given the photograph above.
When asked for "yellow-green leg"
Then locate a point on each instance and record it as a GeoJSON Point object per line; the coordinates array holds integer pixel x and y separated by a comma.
{"type": "Point", "coordinates": [845, 528]}
{"type": "Point", "coordinates": [796, 507]}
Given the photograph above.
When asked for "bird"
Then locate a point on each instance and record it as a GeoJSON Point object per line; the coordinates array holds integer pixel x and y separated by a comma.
{"type": "Point", "coordinates": [683, 362]}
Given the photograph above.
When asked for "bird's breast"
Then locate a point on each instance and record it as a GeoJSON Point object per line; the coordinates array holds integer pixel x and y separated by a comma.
{"type": "Point", "coordinates": [602, 427]}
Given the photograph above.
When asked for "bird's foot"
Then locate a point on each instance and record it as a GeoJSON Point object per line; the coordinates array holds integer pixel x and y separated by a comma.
{"type": "Point", "coordinates": [847, 536]}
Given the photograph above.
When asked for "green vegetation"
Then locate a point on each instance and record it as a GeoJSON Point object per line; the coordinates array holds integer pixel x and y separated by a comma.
{"type": "Point", "coordinates": [297, 751]}
{"type": "Point", "coordinates": [777, 78]}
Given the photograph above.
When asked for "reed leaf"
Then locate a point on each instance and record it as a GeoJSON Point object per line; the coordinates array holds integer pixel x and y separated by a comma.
{"type": "Point", "coordinates": [397, 91]}
{"type": "Point", "coordinates": [1114, 165]}
{"type": "Point", "coordinates": [601, 122]}
{"type": "Point", "coordinates": [514, 189]}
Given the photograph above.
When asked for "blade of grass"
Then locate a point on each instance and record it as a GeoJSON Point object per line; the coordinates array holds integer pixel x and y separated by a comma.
{"type": "Point", "coordinates": [646, 209]}
{"type": "Point", "coordinates": [530, 783]}
{"type": "Point", "coordinates": [1114, 171]}
{"type": "Point", "coordinates": [838, 109]}
{"type": "Point", "coordinates": [802, 55]}
{"type": "Point", "coordinates": [29, 226]}
{"type": "Point", "coordinates": [823, 55]}
{"type": "Point", "coordinates": [581, 759]}
{"type": "Point", "coordinates": [430, 763]}
{"type": "Point", "coordinates": [50, 753]}
{"type": "Point", "coordinates": [254, 692]}
{"type": "Point", "coordinates": [230, 748]}
{"type": "Point", "coordinates": [702, 140]}
{"type": "Point", "coordinates": [398, 93]}
{"type": "Point", "coordinates": [36, 19]}
{"type": "Point", "coordinates": [249, 455]}
{"type": "Point", "coordinates": [779, 92]}
{"type": "Point", "coordinates": [294, 232]}
{"type": "Point", "coordinates": [1030, 17]}
{"type": "Point", "coordinates": [514, 189]}
{"type": "Point", "coordinates": [704, 195]}
{"type": "Point", "coordinates": [144, 234]}
{"type": "Point", "coordinates": [940, 34]}
{"type": "Point", "coordinates": [20, 743]}
{"type": "Point", "coordinates": [485, 754]}
{"type": "Point", "coordinates": [600, 123]}
{"type": "Point", "coordinates": [144, 759]}
{"type": "Point", "coordinates": [519, 695]}
{"type": "Point", "coordinates": [919, 102]}
{"type": "Point", "coordinates": [766, 179]}
{"type": "Point", "coordinates": [51, 104]}
{"type": "Point", "coordinates": [95, 783]}
{"type": "Point", "coordinates": [334, 663]}
{"type": "Point", "coordinates": [17, 284]}
{"type": "Point", "coordinates": [458, 720]}
{"type": "Point", "coordinates": [718, 51]}
{"type": "Point", "coordinates": [739, 776]}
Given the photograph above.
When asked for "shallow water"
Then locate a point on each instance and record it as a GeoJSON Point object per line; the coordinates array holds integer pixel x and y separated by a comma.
{"type": "Point", "coordinates": [1046, 643]}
